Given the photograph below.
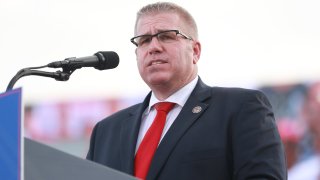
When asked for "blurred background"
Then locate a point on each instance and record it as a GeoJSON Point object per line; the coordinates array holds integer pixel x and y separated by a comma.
{"type": "Point", "coordinates": [270, 45]}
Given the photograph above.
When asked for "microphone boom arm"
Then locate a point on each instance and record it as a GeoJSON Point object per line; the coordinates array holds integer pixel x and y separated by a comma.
{"type": "Point", "coordinates": [58, 75]}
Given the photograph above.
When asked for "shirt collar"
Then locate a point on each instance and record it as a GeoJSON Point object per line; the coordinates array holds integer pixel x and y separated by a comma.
{"type": "Point", "coordinates": [180, 97]}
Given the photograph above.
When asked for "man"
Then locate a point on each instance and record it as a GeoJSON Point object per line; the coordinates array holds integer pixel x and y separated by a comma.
{"type": "Point", "coordinates": [210, 133]}
{"type": "Point", "coordinates": [309, 168]}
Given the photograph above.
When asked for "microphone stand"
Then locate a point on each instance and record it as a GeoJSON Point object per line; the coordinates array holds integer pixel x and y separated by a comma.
{"type": "Point", "coordinates": [63, 75]}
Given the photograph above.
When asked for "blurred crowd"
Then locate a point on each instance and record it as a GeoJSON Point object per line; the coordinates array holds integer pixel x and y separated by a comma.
{"type": "Point", "coordinates": [297, 111]}
{"type": "Point", "coordinates": [69, 120]}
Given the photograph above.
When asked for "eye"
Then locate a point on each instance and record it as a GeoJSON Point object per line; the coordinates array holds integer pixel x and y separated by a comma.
{"type": "Point", "coordinates": [167, 36]}
{"type": "Point", "coordinates": [144, 40]}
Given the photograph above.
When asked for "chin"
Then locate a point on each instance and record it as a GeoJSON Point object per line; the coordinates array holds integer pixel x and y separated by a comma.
{"type": "Point", "coordinates": [158, 81]}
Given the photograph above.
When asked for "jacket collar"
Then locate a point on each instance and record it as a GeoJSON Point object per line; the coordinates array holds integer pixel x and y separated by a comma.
{"type": "Point", "coordinates": [190, 113]}
{"type": "Point", "coordinates": [185, 119]}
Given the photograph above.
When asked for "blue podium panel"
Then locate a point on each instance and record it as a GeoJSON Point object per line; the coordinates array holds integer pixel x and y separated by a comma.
{"type": "Point", "coordinates": [10, 136]}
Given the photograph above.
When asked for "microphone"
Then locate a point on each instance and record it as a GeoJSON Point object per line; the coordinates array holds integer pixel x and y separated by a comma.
{"type": "Point", "coordinates": [101, 60]}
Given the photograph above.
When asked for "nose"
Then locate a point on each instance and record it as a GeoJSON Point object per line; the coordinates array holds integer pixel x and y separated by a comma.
{"type": "Point", "coordinates": [155, 46]}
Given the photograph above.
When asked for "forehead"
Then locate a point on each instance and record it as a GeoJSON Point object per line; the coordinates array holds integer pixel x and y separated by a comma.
{"type": "Point", "coordinates": [152, 23]}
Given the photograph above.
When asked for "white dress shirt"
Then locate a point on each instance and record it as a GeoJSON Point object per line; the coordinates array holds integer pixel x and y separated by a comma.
{"type": "Point", "coordinates": [180, 97]}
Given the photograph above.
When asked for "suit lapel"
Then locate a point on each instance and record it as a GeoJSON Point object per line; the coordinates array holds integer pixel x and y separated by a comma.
{"type": "Point", "coordinates": [129, 135]}
{"type": "Point", "coordinates": [189, 114]}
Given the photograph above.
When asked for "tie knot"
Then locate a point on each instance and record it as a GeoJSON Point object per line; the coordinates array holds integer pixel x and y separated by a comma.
{"type": "Point", "coordinates": [164, 106]}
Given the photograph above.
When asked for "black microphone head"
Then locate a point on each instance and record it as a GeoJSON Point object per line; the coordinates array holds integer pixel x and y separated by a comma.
{"type": "Point", "coordinates": [107, 60]}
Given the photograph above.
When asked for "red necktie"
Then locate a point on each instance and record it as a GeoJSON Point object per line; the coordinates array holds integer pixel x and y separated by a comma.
{"type": "Point", "coordinates": [151, 140]}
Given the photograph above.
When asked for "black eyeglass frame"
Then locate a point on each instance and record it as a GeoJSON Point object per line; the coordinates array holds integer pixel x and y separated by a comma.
{"type": "Point", "coordinates": [155, 35]}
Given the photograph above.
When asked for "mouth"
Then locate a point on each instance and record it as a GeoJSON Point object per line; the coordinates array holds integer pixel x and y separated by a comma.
{"type": "Point", "coordinates": [156, 62]}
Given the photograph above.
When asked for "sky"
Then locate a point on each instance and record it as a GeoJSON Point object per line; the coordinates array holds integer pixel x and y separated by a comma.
{"type": "Point", "coordinates": [245, 43]}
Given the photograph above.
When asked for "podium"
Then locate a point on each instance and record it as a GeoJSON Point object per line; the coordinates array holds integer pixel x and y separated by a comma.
{"type": "Point", "coordinates": [44, 162]}
{"type": "Point", "coordinates": [23, 158]}
{"type": "Point", "coordinates": [10, 135]}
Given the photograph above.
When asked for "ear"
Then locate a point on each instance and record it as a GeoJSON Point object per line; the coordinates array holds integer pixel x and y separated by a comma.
{"type": "Point", "coordinates": [196, 51]}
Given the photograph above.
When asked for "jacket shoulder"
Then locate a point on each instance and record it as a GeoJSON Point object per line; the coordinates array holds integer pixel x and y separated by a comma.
{"type": "Point", "coordinates": [240, 95]}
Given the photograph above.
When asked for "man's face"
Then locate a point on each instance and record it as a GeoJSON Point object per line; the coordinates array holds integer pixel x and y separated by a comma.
{"type": "Point", "coordinates": [169, 64]}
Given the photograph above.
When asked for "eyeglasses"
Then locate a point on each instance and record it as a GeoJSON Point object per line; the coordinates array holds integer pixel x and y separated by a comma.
{"type": "Point", "coordinates": [163, 36]}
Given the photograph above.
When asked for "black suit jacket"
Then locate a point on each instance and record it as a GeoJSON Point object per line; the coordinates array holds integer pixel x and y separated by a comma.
{"type": "Point", "coordinates": [234, 136]}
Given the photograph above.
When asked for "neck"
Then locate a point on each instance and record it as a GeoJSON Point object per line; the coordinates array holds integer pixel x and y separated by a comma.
{"type": "Point", "coordinates": [163, 91]}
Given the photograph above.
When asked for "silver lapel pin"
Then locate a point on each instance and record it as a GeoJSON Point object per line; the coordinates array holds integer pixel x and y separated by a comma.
{"type": "Point", "coordinates": [196, 109]}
